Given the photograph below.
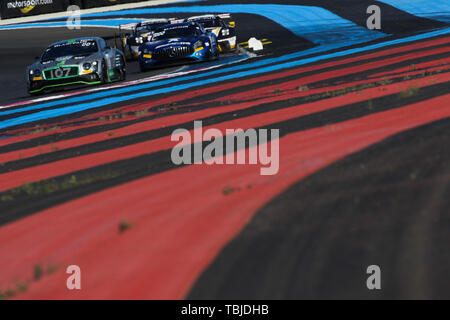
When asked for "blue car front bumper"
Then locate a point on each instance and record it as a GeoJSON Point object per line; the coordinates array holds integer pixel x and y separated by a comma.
{"type": "Point", "coordinates": [148, 60]}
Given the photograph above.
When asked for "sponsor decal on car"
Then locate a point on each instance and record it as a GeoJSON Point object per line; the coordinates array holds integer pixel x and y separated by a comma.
{"type": "Point", "coordinates": [173, 44]}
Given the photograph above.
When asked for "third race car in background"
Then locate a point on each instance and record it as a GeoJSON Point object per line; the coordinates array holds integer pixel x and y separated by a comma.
{"type": "Point", "coordinates": [140, 33]}
{"type": "Point", "coordinates": [82, 61]}
{"type": "Point", "coordinates": [224, 31]}
{"type": "Point", "coordinates": [178, 43]}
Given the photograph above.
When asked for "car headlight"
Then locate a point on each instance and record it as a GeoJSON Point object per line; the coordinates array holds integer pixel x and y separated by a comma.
{"type": "Point", "coordinates": [225, 32]}
{"type": "Point", "coordinates": [198, 44]}
{"type": "Point", "coordinates": [95, 65]}
{"type": "Point", "coordinates": [87, 66]}
{"type": "Point", "coordinates": [146, 54]}
{"type": "Point", "coordinates": [139, 40]}
{"type": "Point", "coordinates": [36, 73]}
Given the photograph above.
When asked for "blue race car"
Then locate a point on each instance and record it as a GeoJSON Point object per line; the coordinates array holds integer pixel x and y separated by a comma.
{"type": "Point", "coordinates": [178, 43]}
{"type": "Point", "coordinates": [225, 32]}
{"type": "Point", "coordinates": [140, 33]}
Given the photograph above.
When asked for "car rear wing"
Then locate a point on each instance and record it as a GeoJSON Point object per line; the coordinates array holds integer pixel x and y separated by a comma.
{"type": "Point", "coordinates": [131, 26]}
{"type": "Point", "coordinates": [227, 16]}
{"type": "Point", "coordinates": [128, 26]}
{"type": "Point", "coordinates": [125, 30]}
{"type": "Point", "coordinates": [174, 21]}
{"type": "Point", "coordinates": [224, 16]}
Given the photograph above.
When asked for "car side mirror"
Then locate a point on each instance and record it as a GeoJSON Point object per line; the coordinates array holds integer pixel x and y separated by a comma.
{"type": "Point", "coordinates": [232, 24]}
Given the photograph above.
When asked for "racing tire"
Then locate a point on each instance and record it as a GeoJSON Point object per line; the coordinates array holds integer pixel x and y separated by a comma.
{"type": "Point", "coordinates": [213, 56]}
{"type": "Point", "coordinates": [104, 78]}
{"type": "Point", "coordinates": [142, 68]}
{"type": "Point", "coordinates": [123, 70]}
{"type": "Point", "coordinates": [216, 55]}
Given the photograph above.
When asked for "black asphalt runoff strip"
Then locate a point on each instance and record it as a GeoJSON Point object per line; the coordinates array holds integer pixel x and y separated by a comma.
{"type": "Point", "coordinates": [386, 205]}
{"type": "Point", "coordinates": [123, 171]}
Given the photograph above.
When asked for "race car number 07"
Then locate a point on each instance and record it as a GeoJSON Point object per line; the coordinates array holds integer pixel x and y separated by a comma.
{"type": "Point", "coordinates": [59, 73]}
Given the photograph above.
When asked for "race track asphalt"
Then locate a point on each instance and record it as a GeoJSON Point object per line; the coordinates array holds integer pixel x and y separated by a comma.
{"type": "Point", "coordinates": [363, 120]}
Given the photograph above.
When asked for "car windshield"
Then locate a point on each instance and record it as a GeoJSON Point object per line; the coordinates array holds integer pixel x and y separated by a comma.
{"type": "Point", "coordinates": [70, 48]}
{"type": "Point", "coordinates": [175, 32]}
{"type": "Point", "coordinates": [210, 23]}
{"type": "Point", "coordinates": [148, 28]}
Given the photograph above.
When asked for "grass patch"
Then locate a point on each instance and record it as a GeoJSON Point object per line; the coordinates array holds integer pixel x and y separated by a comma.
{"type": "Point", "coordinates": [10, 293]}
{"type": "Point", "coordinates": [51, 186]}
{"type": "Point", "coordinates": [38, 130]}
{"type": "Point", "coordinates": [303, 88]}
{"type": "Point", "coordinates": [22, 287]}
{"type": "Point", "coordinates": [168, 108]}
{"type": "Point", "coordinates": [385, 81]}
{"type": "Point", "coordinates": [409, 92]}
{"type": "Point", "coordinates": [117, 116]}
{"type": "Point", "coordinates": [141, 113]}
{"type": "Point", "coordinates": [51, 269]}
{"type": "Point", "coordinates": [6, 197]}
{"type": "Point", "coordinates": [358, 88]}
{"type": "Point", "coordinates": [38, 272]}
{"type": "Point", "coordinates": [53, 148]}
{"type": "Point", "coordinates": [124, 226]}
{"type": "Point", "coordinates": [7, 294]}
{"type": "Point", "coordinates": [229, 190]}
